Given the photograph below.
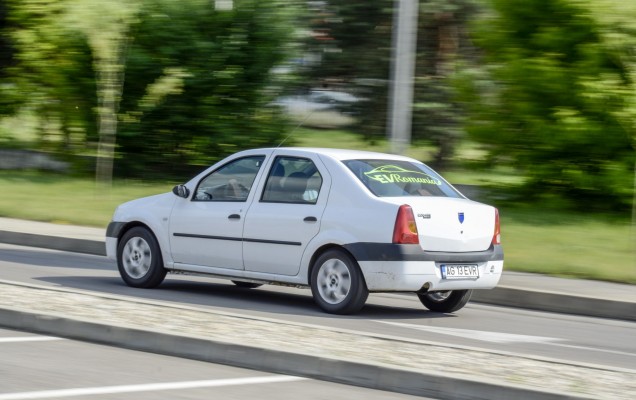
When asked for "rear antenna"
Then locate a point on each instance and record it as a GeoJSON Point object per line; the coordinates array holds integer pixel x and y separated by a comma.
{"type": "Point", "coordinates": [309, 114]}
{"type": "Point", "coordinates": [295, 128]}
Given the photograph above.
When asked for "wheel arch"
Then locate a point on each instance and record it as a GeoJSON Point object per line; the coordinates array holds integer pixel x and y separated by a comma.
{"type": "Point", "coordinates": [136, 223]}
{"type": "Point", "coordinates": [323, 249]}
{"type": "Point", "coordinates": [132, 224]}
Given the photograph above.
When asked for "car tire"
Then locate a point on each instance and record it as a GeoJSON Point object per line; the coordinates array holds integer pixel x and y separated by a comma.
{"type": "Point", "coordinates": [446, 301]}
{"type": "Point", "coordinates": [247, 285]}
{"type": "Point", "coordinates": [337, 284]}
{"type": "Point", "coordinates": [139, 259]}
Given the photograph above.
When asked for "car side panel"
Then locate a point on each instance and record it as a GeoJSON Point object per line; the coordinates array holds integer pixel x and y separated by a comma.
{"type": "Point", "coordinates": [276, 234]}
{"type": "Point", "coordinates": [154, 212]}
{"type": "Point", "coordinates": [346, 216]}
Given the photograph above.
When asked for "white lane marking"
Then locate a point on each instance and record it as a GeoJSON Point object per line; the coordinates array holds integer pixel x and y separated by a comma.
{"type": "Point", "coordinates": [494, 337]}
{"type": "Point", "coordinates": [505, 338]}
{"type": "Point", "coordinates": [571, 346]}
{"type": "Point", "coordinates": [47, 394]}
{"type": "Point", "coordinates": [28, 339]}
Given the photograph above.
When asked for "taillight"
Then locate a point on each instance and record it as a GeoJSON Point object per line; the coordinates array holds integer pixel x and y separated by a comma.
{"type": "Point", "coordinates": [496, 238]}
{"type": "Point", "coordinates": [405, 230]}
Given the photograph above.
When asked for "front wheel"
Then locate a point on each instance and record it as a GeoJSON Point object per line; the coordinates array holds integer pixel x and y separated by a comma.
{"type": "Point", "coordinates": [445, 302]}
{"type": "Point", "coordinates": [139, 259]}
{"type": "Point", "coordinates": [337, 284]}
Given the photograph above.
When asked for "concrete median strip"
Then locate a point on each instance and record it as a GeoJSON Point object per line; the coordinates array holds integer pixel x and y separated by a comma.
{"type": "Point", "coordinates": [369, 360]}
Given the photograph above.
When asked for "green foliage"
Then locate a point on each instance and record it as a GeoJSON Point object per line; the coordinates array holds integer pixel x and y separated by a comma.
{"type": "Point", "coordinates": [52, 76]}
{"type": "Point", "coordinates": [355, 48]}
{"type": "Point", "coordinates": [442, 44]}
{"type": "Point", "coordinates": [6, 60]}
{"type": "Point", "coordinates": [352, 42]}
{"type": "Point", "coordinates": [196, 80]}
{"type": "Point", "coordinates": [182, 82]}
{"type": "Point", "coordinates": [6, 47]}
{"type": "Point", "coordinates": [553, 102]}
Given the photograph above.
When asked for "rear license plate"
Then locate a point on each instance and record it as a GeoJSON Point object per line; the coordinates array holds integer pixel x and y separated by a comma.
{"type": "Point", "coordinates": [459, 271]}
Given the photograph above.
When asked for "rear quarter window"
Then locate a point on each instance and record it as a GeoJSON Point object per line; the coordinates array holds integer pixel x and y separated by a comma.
{"type": "Point", "coordinates": [392, 178]}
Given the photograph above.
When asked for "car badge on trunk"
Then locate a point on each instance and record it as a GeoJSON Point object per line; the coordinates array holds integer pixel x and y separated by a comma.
{"type": "Point", "coordinates": [461, 217]}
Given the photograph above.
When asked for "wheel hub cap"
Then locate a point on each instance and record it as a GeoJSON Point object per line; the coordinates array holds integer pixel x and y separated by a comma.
{"type": "Point", "coordinates": [136, 257]}
{"type": "Point", "coordinates": [334, 281]}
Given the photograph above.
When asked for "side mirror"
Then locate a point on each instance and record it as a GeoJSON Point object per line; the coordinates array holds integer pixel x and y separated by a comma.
{"type": "Point", "coordinates": [181, 191]}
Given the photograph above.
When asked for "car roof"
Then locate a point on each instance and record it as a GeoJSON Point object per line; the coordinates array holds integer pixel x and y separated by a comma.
{"type": "Point", "coordinates": [344, 154]}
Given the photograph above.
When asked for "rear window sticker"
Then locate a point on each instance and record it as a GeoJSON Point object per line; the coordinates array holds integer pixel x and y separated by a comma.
{"type": "Point", "coordinates": [395, 174]}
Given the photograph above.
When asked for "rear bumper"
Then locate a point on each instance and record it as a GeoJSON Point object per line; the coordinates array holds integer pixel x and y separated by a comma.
{"type": "Point", "coordinates": [411, 276]}
{"type": "Point", "coordinates": [365, 251]}
{"type": "Point", "coordinates": [406, 268]}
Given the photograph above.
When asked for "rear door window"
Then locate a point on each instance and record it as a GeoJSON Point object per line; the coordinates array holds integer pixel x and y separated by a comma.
{"type": "Point", "coordinates": [292, 180]}
{"type": "Point", "coordinates": [393, 178]}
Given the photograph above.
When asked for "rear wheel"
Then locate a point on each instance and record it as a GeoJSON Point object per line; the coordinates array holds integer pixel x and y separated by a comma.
{"type": "Point", "coordinates": [247, 285]}
{"type": "Point", "coordinates": [337, 284]}
{"type": "Point", "coordinates": [139, 259]}
{"type": "Point", "coordinates": [447, 301]}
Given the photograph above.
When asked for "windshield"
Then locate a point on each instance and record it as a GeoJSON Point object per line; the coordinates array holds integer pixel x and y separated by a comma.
{"type": "Point", "coordinates": [392, 178]}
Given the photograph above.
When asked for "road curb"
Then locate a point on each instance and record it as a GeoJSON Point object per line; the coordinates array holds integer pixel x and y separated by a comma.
{"type": "Point", "coordinates": [369, 375]}
{"type": "Point", "coordinates": [83, 246]}
{"type": "Point", "coordinates": [557, 303]}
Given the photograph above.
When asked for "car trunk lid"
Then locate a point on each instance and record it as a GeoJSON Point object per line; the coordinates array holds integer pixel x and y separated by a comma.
{"type": "Point", "coordinates": [452, 225]}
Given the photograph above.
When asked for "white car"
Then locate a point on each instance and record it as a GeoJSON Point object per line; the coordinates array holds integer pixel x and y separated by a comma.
{"type": "Point", "coordinates": [343, 222]}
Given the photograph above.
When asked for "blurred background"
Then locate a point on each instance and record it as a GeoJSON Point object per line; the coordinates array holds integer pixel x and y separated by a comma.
{"type": "Point", "coordinates": [529, 105]}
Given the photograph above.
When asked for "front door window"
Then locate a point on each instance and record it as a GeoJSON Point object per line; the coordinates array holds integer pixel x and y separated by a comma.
{"type": "Point", "coordinates": [231, 182]}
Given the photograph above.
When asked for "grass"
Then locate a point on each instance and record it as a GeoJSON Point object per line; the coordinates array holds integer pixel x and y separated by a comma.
{"type": "Point", "coordinates": [65, 200]}
{"type": "Point", "coordinates": [535, 240]}
{"type": "Point", "coordinates": [569, 245]}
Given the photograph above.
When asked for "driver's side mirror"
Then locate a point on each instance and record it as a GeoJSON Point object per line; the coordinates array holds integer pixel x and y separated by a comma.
{"type": "Point", "coordinates": [181, 191]}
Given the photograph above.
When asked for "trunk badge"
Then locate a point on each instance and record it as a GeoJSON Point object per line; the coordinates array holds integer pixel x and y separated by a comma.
{"type": "Point", "coordinates": [461, 217]}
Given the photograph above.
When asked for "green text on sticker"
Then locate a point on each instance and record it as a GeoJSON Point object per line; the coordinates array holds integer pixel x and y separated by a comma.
{"type": "Point", "coordinates": [395, 174]}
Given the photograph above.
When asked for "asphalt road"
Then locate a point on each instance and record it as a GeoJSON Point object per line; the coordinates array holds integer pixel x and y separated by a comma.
{"type": "Point", "coordinates": [42, 367]}
{"type": "Point", "coordinates": [554, 336]}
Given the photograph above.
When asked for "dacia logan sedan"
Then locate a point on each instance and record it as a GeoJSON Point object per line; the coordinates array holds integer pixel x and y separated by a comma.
{"type": "Point", "coordinates": [344, 223]}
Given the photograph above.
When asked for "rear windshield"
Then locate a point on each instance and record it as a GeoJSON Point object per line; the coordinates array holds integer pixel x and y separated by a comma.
{"type": "Point", "coordinates": [391, 178]}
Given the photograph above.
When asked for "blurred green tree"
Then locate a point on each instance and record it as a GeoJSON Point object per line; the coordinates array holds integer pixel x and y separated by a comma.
{"type": "Point", "coordinates": [50, 75]}
{"type": "Point", "coordinates": [353, 42]}
{"type": "Point", "coordinates": [350, 47]}
{"type": "Point", "coordinates": [618, 20]}
{"type": "Point", "coordinates": [6, 59]}
{"type": "Point", "coordinates": [554, 101]}
{"type": "Point", "coordinates": [198, 83]}
{"type": "Point", "coordinates": [177, 82]}
{"type": "Point", "coordinates": [105, 26]}
{"type": "Point", "coordinates": [6, 44]}
{"type": "Point", "coordinates": [444, 47]}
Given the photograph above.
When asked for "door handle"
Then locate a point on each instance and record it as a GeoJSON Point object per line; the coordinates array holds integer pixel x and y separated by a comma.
{"type": "Point", "coordinates": [234, 216]}
{"type": "Point", "coordinates": [310, 219]}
